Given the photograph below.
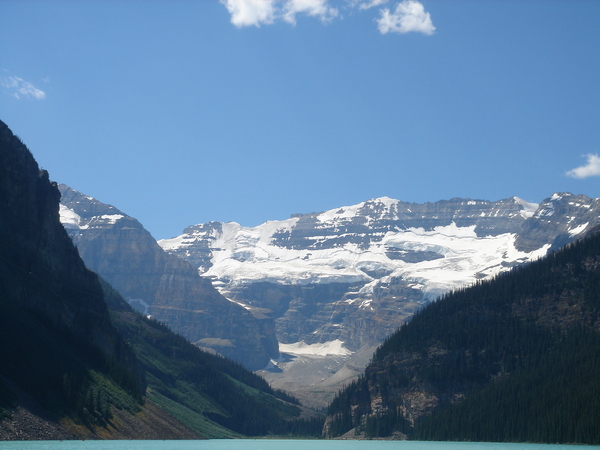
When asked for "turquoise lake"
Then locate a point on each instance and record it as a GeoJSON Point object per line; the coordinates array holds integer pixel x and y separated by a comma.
{"type": "Point", "coordinates": [259, 444]}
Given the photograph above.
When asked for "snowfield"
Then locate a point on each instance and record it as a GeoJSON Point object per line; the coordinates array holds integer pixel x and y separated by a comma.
{"type": "Point", "coordinates": [242, 255]}
{"type": "Point", "coordinates": [335, 347]}
{"type": "Point", "coordinates": [70, 219]}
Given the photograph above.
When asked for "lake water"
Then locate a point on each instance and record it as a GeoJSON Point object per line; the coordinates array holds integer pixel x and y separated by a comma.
{"type": "Point", "coordinates": [268, 444]}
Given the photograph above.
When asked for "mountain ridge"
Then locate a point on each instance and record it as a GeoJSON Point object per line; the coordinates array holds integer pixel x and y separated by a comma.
{"type": "Point", "coordinates": [381, 241]}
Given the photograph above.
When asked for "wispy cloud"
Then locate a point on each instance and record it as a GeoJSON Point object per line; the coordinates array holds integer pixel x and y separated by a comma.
{"type": "Point", "coordinates": [591, 169]}
{"type": "Point", "coordinates": [408, 15]}
{"type": "Point", "coordinates": [19, 88]}
{"type": "Point", "coordinates": [368, 4]}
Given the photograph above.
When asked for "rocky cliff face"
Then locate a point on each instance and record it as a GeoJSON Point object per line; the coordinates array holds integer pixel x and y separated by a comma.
{"type": "Point", "coordinates": [44, 284]}
{"type": "Point", "coordinates": [118, 248]}
{"type": "Point", "coordinates": [558, 220]}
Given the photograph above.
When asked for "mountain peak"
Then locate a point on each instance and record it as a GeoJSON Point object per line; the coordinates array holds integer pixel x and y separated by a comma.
{"type": "Point", "coordinates": [529, 208]}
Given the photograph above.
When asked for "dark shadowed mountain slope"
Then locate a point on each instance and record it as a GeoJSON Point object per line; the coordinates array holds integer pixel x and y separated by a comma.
{"type": "Point", "coordinates": [57, 341]}
{"type": "Point", "coordinates": [118, 248]}
{"type": "Point", "coordinates": [513, 359]}
{"type": "Point", "coordinates": [77, 362]}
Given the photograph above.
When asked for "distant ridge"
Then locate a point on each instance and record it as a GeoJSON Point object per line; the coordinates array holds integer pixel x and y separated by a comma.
{"type": "Point", "coordinates": [159, 284]}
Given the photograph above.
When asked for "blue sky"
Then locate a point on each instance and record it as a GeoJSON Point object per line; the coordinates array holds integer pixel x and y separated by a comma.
{"type": "Point", "coordinates": [183, 112]}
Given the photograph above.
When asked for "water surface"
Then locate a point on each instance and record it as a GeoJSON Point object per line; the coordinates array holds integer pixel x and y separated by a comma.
{"type": "Point", "coordinates": [272, 444]}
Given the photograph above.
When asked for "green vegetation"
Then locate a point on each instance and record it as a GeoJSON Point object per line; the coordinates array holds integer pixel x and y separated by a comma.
{"type": "Point", "coordinates": [191, 418]}
{"type": "Point", "coordinates": [513, 359]}
{"type": "Point", "coordinates": [54, 367]}
{"type": "Point", "coordinates": [210, 394]}
{"type": "Point", "coordinates": [554, 397]}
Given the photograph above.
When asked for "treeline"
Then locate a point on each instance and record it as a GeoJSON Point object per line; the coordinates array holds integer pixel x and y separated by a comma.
{"type": "Point", "coordinates": [512, 359]}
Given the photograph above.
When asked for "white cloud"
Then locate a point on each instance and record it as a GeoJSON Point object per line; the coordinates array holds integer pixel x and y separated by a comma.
{"type": "Point", "coordinates": [409, 16]}
{"type": "Point", "coordinates": [367, 4]}
{"type": "Point", "coordinates": [591, 169]}
{"type": "Point", "coordinates": [19, 88]}
{"type": "Point", "coordinates": [315, 8]}
{"type": "Point", "coordinates": [245, 13]}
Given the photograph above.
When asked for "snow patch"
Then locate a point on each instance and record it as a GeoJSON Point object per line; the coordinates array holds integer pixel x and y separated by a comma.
{"type": "Point", "coordinates": [174, 243]}
{"type": "Point", "coordinates": [529, 209]}
{"type": "Point", "coordinates": [111, 219]}
{"type": "Point", "coordinates": [575, 231]}
{"type": "Point", "coordinates": [68, 217]}
{"type": "Point", "coordinates": [335, 347]}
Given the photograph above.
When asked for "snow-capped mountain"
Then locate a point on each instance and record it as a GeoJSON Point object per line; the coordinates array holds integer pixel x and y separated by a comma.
{"type": "Point", "coordinates": [328, 286]}
{"type": "Point", "coordinates": [318, 271]}
{"type": "Point", "coordinates": [118, 248]}
{"type": "Point", "coordinates": [352, 275]}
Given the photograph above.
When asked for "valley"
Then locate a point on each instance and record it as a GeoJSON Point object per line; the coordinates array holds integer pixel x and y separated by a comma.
{"type": "Point", "coordinates": [388, 329]}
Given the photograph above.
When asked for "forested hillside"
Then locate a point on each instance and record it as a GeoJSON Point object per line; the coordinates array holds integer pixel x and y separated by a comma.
{"type": "Point", "coordinates": [513, 359]}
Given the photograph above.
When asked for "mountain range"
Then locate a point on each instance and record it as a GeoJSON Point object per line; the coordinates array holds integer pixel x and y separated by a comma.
{"type": "Point", "coordinates": [318, 292]}
{"type": "Point", "coordinates": [337, 283]}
